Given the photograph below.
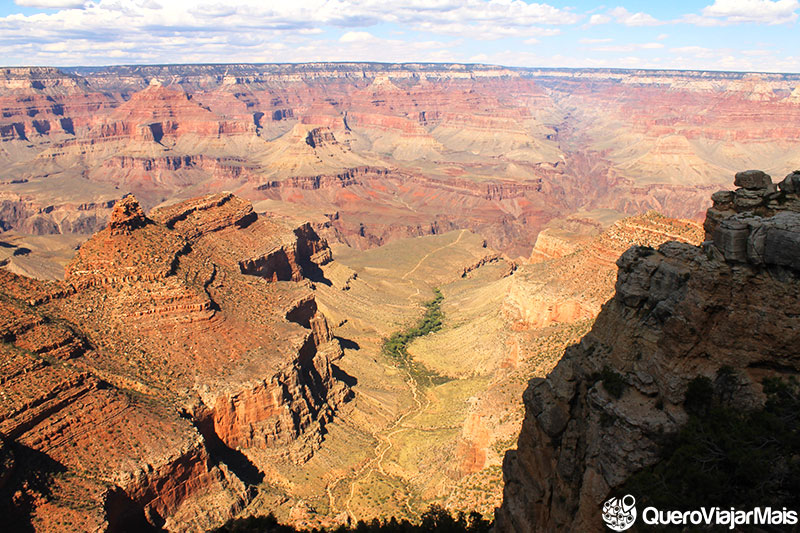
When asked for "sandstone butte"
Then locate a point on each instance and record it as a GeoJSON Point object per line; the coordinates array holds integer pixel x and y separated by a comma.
{"type": "Point", "coordinates": [385, 151]}
{"type": "Point", "coordinates": [129, 389]}
{"type": "Point", "coordinates": [679, 311]}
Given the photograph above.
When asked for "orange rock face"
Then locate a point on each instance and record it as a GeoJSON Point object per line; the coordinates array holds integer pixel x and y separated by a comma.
{"type": "Point", "coordinates": [496, 151]}
{"type": "Point", "coordinates": [576, 283]}
{"type": "Point", "coordinates": [159, 325]}
{"type": "Point", "coordinates": [472, 448]}
{"type": "Point", "coordinates": [161, 114]}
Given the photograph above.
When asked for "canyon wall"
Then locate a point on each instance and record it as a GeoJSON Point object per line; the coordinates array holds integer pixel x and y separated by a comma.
{"type": "Point", "coordinates": [393, 150]}
{"type": "Point", "coordinates": [134, 390]}
{"type": "Point", "coordinates": [680, 312]}
{"type": "Point", "coordinates": [578, 278]}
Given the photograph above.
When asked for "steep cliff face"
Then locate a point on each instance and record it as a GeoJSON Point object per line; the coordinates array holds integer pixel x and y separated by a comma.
{"type": "Point", "coordinates": [575, 285]}
{"type": "Point", "coordinates": [161, 115]}
{"type": "Point", "coordinates": [679, 312]}
{"type": "Point", "coordinates": [43, 103]}
{"type": "Point", "coordinates": [159, 326]}
{"type": "Point", "coordinates": [505, 150]}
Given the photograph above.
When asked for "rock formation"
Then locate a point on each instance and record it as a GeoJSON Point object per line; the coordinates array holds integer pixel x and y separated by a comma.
{"type": "Point", "coordinates": [679, 312]}
{"type": "Point", "coordinates": [579, 279]}
{"type": "Point", "coordinates": [134, 391]}
{"type": "Point", "coordinates": [497, 151]}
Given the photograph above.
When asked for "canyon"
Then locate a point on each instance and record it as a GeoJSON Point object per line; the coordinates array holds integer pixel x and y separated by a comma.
{"type": "Point", "coordinates": [202, 265]}
{"type": "Point", "coordinates": [251, 350]}
{"type": "Point", "coordinates": [131, 388]}
{"type": "Point", "coordinates": [379, 149]}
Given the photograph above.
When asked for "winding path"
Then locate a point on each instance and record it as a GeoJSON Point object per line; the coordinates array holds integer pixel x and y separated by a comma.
{"type": "Point", "coordinates": [419, 263]}
{"type": "Point", "coordinates": [384, 437]}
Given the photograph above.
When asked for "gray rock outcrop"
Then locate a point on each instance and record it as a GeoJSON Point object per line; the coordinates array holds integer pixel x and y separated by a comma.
{"type": "Point", "coordinates": [679, 312]}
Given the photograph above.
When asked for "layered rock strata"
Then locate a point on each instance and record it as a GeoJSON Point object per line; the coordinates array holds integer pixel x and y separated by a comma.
{"type": "Point", "coordinates": [575, 283]}
{"type": "Point", "coordinates": [679, 312]}
{"type": "Point", "coordinates": [133, 390]}
{"type": "Point", "coordinates": [505, 150]}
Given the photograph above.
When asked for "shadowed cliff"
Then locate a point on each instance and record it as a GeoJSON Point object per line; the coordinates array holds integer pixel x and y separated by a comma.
{"type": "Point", "coordinates": [690, 331]}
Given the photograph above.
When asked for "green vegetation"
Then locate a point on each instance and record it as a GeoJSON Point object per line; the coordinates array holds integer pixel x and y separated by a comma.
{"type": "Point", "coordinates": [434, 520]}
{"type": "Point", "coordinates": [613, 382]}
{"type": "Point", "coordinates": [699, 396]}
{"type": "Point", "coordinates": [725, 456]}
{"type": "Point", "coordinates": [396, 346]}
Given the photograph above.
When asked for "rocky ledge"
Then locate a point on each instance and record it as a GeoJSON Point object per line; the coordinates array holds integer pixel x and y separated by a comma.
{"type": "Point", "coordinates": [730, 307]}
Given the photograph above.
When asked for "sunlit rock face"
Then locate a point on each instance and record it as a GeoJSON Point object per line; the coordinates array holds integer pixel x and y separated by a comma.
{"type": "Point", "coordinates": [386, 151]}
{"type": "Point", "coordinates": [159, 351]}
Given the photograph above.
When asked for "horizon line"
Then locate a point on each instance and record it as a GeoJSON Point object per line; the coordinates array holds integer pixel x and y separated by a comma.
{"type": "Point", "coordinates": [401, 64]}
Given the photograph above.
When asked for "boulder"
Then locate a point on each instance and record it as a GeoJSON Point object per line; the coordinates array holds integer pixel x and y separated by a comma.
{"type": "Point", "coordinates": [752, 179]}
{"type": "Point", "coordinates": [746, 199]}
{"type": "Point", "coordinates": [782, 240]}
{"type": "Point", "coordinates": [722, 198]}
{"type": "Point", "coordinates": [127, 215]}
{"type": "Point", "coordinates": [791, 183]}
{"type": "Point", "coordinates": [730, 238]}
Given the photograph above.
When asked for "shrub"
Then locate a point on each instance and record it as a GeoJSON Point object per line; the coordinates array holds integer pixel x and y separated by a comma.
{"type": "Point", "coordinates": [613, 382]}
{"type": "Point", "coordinates": [396, 346]}
{"type": "Point", "coordinates": [699, 395]}
{"type": "Point", "coordinates": [727, 457]}
{"type": "Point", "coordinates": [435, 520]}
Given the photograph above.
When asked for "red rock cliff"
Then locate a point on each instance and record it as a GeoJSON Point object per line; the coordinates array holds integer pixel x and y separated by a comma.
{"type": "Point", "coordinates": [158, 326]}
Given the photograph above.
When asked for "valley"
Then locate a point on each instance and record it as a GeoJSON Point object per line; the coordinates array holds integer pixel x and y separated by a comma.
{"type": "Point", "coordinates": [379, 150]}
{"type": "Point", "coordinates": [324, 288]}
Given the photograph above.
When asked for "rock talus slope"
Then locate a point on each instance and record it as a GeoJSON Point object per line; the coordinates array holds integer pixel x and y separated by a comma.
{"type": "Point", "coordinates": [679, 312]}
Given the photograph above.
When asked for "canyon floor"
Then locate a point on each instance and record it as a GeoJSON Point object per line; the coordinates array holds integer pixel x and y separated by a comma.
{"type": "Point", "coordinates": [433, 432]}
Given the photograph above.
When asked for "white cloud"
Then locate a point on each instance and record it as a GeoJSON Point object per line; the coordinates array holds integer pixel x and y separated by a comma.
{"type": "Point", "coordinates": [623, 16]}
{"type": "Point", "coordinates": [532, 59]}
{"type": "Point", "coordinates": [694, 51]}
{"type": "Point", "coordinates": [356, 37]}
{"type": "Point", "coordinates": [161, 31]}
{"type": "Point", "coordinates": [217, 30]}
{"type": "Point", "coordinates": [699, 20]}
{"type": "Point", "coordinates": [756, 53]}
{"type": "Point", "coordinates": [628, 47]}
{"type": "Point", "coordinates": [599, 19]}
{"type": "Point", "coordinates": [485, 32]}
{"type": "Point", "coordinates": [727, 12]}
{"type": "Point", "coordinates": [51, 4]}
{"type": "Point", "coordinates": [772, 12]}
{"type": "Point", "coordinates": [702, 58]}
{"type": "Point", "coordinates": [508, 13]}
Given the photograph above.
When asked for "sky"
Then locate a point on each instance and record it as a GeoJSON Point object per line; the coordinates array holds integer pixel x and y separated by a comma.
{"type": "Point", "coordinates": [743, 35]}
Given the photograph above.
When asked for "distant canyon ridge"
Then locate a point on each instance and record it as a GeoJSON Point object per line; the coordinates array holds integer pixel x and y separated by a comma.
{"type": "Point", "coordinates": [371, 153]}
